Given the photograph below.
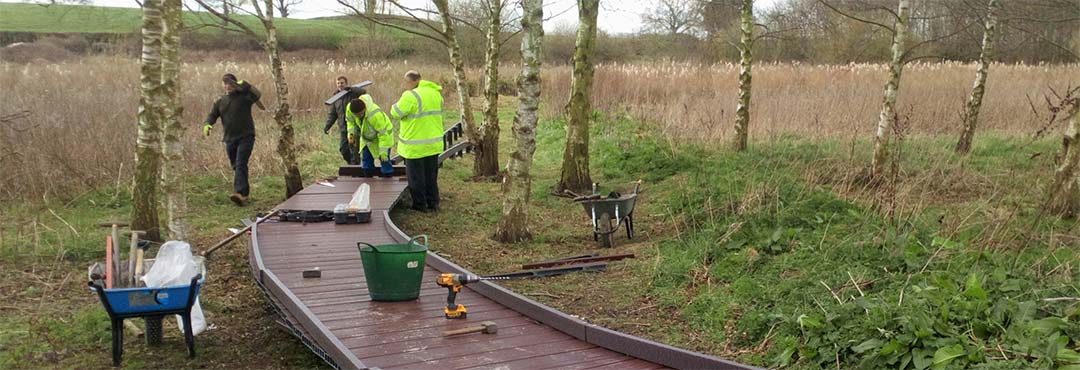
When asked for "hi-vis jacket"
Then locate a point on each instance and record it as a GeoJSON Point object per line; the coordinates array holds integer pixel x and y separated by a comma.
{"type": "Point", "coordinates": [374, 129]}
{"type": "Point", "coordinates": [420, 113]}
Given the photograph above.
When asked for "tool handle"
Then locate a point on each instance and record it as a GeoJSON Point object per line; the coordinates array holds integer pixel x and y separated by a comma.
{"type": "Point", "coordinates": [463, 331]}
{"type": "Point", "coordinates": [237, 235]}
{"type": "Point", "coordinates": [413, 240]}
{"type": "Point", "coordinates": [450, 298]}
{"type": "Point", "coordinates": [361, 246]}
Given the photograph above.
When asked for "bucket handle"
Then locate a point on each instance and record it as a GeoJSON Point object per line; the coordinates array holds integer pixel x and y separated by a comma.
{"type": "Point", "coordinates": [361, 245]}
{"type": "Point", "coordinates": [413, 240]}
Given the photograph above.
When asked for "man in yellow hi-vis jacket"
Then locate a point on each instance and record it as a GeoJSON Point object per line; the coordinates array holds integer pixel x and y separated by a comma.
{"type": "Point", "coordinates": [369, 127]}
{"type": "Point", "coordinates": [420, 140]}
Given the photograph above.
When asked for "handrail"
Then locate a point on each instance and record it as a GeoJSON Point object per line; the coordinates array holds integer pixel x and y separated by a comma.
{"type": "Point", "coordinates": [450, 136]}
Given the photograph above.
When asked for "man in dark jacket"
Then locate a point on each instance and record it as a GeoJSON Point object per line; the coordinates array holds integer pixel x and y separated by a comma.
{"type": "Point", "coordinates": [337, 115]}
{"type": "Point", "coordinates": [234, 109]}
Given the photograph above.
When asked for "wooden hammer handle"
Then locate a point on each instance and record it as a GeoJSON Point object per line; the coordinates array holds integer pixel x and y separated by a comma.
{"type": "Point", "coordinates": [475, 329]}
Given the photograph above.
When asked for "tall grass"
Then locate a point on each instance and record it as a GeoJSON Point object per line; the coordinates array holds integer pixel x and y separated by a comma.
{"type": "Point", "coordinates": [80, 130]}
{"type": "Point", "coordinates": [697, 101]}
{"type": "Point", "coordinates": [81, 125]}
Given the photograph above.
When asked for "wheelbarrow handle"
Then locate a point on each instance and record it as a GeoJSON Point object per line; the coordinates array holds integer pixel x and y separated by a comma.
{"type": "Point", "coordinates": [637, 187]}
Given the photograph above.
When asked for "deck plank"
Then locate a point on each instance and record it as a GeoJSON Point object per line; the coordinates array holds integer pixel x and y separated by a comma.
{"type": "Point", "coordinates": [403, 334]}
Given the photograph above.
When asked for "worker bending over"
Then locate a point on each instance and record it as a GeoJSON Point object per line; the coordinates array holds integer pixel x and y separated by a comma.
{"type": "Point", "coordinates": [371, 130]}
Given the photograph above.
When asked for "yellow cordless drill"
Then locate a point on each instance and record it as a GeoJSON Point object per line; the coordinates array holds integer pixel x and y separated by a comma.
{"type": "Point", "coordinates": [453, 283]}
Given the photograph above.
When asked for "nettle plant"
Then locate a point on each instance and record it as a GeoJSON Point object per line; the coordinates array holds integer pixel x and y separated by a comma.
{"type": "Point", "coordinates": [946, 320]}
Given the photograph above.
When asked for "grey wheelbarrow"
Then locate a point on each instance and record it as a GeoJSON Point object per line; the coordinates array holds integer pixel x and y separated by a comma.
{"type": "Point", "coordinates": [610, 212]}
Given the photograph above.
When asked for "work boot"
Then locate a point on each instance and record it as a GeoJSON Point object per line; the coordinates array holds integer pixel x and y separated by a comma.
{"type": "Point", "coordinates": [239, 199]}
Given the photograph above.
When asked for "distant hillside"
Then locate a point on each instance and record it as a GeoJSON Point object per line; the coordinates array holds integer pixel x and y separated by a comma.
{"type": "Point", "coordinates": [322, 33]}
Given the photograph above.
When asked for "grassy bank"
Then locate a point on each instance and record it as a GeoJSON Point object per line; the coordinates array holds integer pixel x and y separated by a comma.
{"type": "Point", "coordinates": [49, 319]}
{"type": "Point", "coordinates": [330, 33]}
{"type": "Point", "coordinates": [781, 257]}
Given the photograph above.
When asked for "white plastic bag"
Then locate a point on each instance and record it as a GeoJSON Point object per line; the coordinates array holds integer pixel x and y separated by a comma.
{"type": "Point", "coordinates": [175, 265]}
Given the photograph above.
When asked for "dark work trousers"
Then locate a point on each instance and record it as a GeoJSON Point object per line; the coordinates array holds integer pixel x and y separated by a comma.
{"type": "Point", "coordinates": [367, 162]}
{"type": "Point", "coordinates": [423, 175]}
{"type": "Point", "coordinates": [239, 150]}
{"type": "Point", "coordinates": [348, 152]}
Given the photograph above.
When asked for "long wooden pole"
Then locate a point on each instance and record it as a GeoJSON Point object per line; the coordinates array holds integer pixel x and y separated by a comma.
{"type": "Point", "coordinates": [243, 231]}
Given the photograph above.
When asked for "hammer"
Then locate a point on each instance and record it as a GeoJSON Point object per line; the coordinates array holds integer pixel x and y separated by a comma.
{"type": "Point", "coordinates": [486, 327]}
{"type": "Point", "coordinates": [139, 261]}
{"type": "Point", "coordinates": [130, 278]}
{"type": "Point", "coordinates": [114, 250]}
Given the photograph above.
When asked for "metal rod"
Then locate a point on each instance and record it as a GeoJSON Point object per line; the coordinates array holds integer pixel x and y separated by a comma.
{"type": "Point", "coordinates": [237, 235]}
{"type": "Point", "coordinates": [588, 259]}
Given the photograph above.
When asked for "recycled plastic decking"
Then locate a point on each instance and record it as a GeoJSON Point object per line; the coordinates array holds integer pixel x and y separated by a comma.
{"type": "Point", "coordinates": [335, 318]}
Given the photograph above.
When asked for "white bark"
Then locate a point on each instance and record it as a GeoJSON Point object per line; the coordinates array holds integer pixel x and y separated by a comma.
{"type": "Point", "coordinates": [173, 174]}
{"type": "Point", "coordinates": [457, 63]}
{"type": "Point", "coordinates": [974, 103]}
{"type": "Point", "coordinates": [887, 119]}
{"type": "Point", "coordinates": [286, 147]}
{"type": "Point", "coordinates": [1065, 190]}
{"type": "Point", "coordinates": [746, 60]}
{"type": "Point", "coordinates": [517, 185]}
{"type": "Point", "coordinates": [144, 214]}
{"type": "Point", "coordinates": [487, 145]}
{"type": "Point", "coordinates": [575, 175]}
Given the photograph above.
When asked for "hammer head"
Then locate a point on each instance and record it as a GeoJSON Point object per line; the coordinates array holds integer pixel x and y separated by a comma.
{"type": "Point", "coordinates": [489, 327]}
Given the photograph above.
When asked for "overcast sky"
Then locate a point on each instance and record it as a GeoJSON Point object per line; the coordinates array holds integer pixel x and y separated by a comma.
{"type": "Point", "coordinates": [622, 16]}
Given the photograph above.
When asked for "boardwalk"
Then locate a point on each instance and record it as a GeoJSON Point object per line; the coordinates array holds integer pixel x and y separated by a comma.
{"type": "Point", "coordinates": [335, 318]}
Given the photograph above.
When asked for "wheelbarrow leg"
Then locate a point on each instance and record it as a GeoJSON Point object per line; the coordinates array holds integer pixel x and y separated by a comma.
{"type": "Point", "coordinates": [630, 225]}
{"type": "Point", "coordinates": [189, 335]}
{"type": "Point", "coordinates": [117, 341]}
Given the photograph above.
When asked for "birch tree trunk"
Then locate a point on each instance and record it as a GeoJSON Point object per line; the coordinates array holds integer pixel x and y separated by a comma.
{"type": "Point", "coordinates": [144, 212]}
{"type": "Point", "coordinates": [1065, 190]}
{"type": "Point", "coordinates": [517, 184]}
{"type": "Point", "coordinates": [887, 119]}
{"type": "Point", "coordinates": [458, 64]}
{"type": "Point", "coordinates": [286, 147]}
{"type": "Point", "coordinates": [487, 147]}
{"type": "Point", "coordinates": [575, 166]}
{"type": "Point", "coordinates": [173, 174]}
{"type": "Point", "coordinates": [974, 103]}
{"type": "Point", "coordinates": [746, 60]}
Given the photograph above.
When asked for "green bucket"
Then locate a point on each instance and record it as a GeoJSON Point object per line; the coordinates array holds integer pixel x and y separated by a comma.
{"type": "Point", "coordinates": [394, 271]}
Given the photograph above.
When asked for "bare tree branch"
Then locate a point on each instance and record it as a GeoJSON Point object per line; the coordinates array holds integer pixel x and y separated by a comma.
{"type": "Point", "coordinates": [418, 19]}
{"type": "Point", "coordinates": [856, 18]}
{"type": "Point", "coordinates": [229, 19]}
{"type": "Point", "coordinates": [363, 15]}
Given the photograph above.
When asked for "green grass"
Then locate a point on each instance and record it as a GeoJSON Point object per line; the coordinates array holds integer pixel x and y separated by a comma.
{"type": "Point", "coordinates": [760, 246]}
{"type": "Point", "coordinates": [49, 319]}
{"type": "Point", "coordinates": [777, 257]}
{"type": "Point", "coordinates": [325, 33]}
{"type": "Point", "coordinates": [735, 250]}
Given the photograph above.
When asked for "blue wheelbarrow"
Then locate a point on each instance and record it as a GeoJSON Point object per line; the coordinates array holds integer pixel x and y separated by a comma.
{"type": "Point", "coordinates": [608, 213]}
{"type": "Point", "coordinates": [152, 304]}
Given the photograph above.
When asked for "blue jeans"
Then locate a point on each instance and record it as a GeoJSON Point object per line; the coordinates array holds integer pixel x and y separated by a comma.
{"type": "Point", "coordinates": [368, 162]}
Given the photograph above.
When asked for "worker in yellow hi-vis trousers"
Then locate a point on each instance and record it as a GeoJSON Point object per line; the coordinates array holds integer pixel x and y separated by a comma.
{"type": "Point", "coordinates": [420, 140]}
